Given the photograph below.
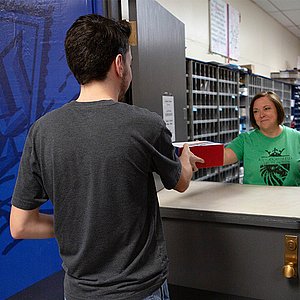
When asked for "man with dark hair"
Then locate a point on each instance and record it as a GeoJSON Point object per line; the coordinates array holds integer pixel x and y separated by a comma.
{"type": "Point", "coordinates": [95, 158]}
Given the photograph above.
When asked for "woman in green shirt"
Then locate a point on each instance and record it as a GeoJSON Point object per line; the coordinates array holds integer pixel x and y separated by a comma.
{"type": "Point", "coordinates": [271, 151]}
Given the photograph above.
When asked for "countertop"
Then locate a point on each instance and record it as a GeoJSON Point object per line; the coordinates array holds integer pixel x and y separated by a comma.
{"type": "Point", "coordinates": [234, 203]}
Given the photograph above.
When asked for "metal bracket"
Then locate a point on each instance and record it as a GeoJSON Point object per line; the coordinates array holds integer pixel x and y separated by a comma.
{"type": "Point", "coordinates": [290, 268]}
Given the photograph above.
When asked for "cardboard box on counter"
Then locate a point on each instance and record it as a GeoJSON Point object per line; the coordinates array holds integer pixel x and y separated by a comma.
{"type": "Point", "coordinates": [251, 68]}
{"type": "Point", "coordinates": [212, 153]}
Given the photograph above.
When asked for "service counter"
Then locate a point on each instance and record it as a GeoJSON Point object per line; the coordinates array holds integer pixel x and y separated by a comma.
{"type": "Point", "coordinates": [233, 239]}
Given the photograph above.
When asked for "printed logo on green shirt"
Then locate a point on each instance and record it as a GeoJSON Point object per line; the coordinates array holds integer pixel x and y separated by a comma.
{"type": "Point", "coordinates": [274, 167]}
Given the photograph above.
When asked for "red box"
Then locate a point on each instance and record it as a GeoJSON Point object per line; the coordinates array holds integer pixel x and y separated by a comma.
{"type": "Point", "coordinates": [212, 153]}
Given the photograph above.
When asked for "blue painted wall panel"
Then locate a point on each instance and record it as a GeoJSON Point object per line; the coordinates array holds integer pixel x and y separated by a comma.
{"type": "Point", "coordinates": [34, 79]}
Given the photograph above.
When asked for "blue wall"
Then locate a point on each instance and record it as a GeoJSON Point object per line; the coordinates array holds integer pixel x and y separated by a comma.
{"type": "Point", "coordinates": [34, 79]}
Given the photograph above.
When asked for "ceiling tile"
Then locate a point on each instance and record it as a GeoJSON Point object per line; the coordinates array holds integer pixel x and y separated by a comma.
{"type": "Point", "coordinates": [282, 19]}
{"type": "Point", "coordinates": [295, 30]}
{"type": "Point", "coordinates": [293, 15]}
{"type": "Point", "coordinates": [286, 4]}
{"type": "Point", "coordinates": [286, 12]}
{"type": "Point", "coordinates": [265, 5]}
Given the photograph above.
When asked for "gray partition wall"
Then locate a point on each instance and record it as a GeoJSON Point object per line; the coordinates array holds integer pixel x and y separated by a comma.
{"type": "Point", "coordinates": [159, 60]}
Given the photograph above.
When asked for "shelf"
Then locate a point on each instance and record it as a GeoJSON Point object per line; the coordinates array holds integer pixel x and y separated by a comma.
{"type": "Point", "coordinates": [213, 105]}
{"type": "Point", "coordinates": [229, 106]}
{"type": "Point", "coordinates": [205, 106]}
{"type": "Point", "coordinates": [204, 92]}
{"type": "Point", "coordinates": [228, 94]}
{"type": "Point", "coordinates": [208, 176]}
{"type": "Point", "coordinates": [231, 179]}
{"type": "Point", "coordinates": [229, 119]}
{"type": "Point", "coordinates": [203, 136]}
{"type": "Point", "coordinates": [204, 121]}
{"type": "Point", "coordinates": [230, 131]}
{"type": "Point", "coordinates": [203, 77]}
{"type": "Point", "coordinates": [230, 167]}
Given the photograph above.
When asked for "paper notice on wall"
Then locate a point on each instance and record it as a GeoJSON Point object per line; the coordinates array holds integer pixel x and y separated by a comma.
{"type": "Point", "coordinates": [233, 32]}
{"type": "Point", "coordinates": [218, 27]}
{"type": "Point", "coordinates": [224, 29]}
{"type": "Point", "coordinates": [168, 114]}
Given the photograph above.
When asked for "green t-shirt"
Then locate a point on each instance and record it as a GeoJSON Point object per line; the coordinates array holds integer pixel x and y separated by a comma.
{"type": "Point", "coordinates": [269, 161]}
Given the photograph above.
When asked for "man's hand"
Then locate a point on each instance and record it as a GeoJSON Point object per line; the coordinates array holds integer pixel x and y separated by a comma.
{"type": "Point", "coordinates": [192, 157]}
{"type": "Point", "coordinates": [188, 166]}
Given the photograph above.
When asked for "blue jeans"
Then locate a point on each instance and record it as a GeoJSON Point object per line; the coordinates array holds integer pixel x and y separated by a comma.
{"type": "Point", "coordinates": [162, 293]}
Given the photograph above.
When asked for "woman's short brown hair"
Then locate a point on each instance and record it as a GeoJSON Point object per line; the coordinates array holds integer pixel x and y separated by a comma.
{"type": "Point", "coordinates": [277, 102]}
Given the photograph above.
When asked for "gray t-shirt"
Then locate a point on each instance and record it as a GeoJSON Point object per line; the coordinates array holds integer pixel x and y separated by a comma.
{"type": "Point", "coordinates": [95, 161]}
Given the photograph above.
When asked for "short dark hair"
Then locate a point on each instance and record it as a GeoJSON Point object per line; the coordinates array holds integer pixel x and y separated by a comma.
{"type": "Point", "coordinates": [91, 45]}
{"type": "Point", "coordinates": [277, 102]}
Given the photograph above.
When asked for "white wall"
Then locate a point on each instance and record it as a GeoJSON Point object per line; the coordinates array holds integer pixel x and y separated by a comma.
{"type": "Point", "coordinates": [264, 42]}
